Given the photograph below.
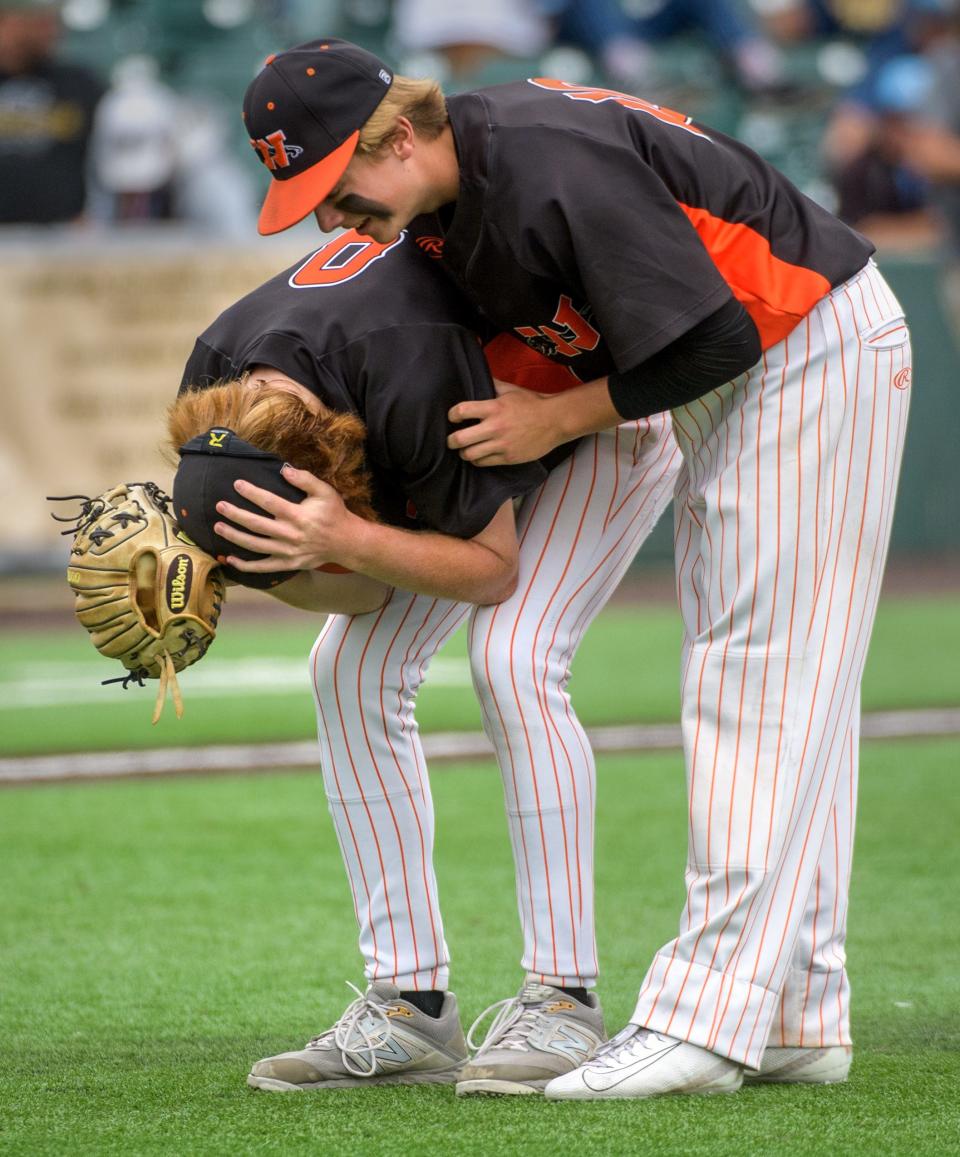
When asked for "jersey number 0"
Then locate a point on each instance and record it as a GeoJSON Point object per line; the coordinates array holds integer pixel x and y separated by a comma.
{"type": "Point", "coordinates": [342, 259]}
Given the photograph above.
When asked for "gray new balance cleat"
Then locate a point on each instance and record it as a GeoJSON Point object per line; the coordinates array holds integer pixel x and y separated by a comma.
{"type": "Point", "coordinates": [379, 1040]}
{"type": "Point", "coordinates": [802, 1066]}
{"type": "Point", "coordinates": [535, 1036]}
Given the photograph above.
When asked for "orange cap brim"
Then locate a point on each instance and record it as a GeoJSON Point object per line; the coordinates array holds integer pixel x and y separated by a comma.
{"type": "Point", "coordinates": [290, 201]}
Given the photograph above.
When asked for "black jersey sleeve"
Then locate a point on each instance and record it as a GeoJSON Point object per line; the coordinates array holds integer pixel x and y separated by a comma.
{"type": "Point", "coordinates": [597, 216]}
{"type": "Point", "coordinates": [411, 376]}
{"type": "Point", "coordinates": [282, 351]}
{"type": "Point", "coordinates": [286, 352]}
{"type": "Point", "coordinates": [716, 350]}
{"type": "Point", "coordinates": [206, 366]}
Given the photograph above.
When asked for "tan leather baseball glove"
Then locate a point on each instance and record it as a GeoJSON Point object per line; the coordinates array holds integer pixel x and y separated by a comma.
{"type": "Point", "coordinates": [145, 593]}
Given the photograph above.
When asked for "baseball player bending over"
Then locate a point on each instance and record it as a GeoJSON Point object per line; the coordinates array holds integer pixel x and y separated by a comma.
{"type": "Point", "coordinates": [672, 269]}
{"type": "Point", "coordinates": [370, 331]}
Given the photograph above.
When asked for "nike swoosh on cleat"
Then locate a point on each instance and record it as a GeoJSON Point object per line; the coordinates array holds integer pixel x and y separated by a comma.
{"type": "Point", "coordinates": [602, 1081]}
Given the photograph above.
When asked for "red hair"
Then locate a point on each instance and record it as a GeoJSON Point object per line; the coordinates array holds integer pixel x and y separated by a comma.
{"type": "Point", "coordinates": [329, 444]}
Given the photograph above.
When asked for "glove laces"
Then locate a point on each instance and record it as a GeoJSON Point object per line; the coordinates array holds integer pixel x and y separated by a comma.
{"type": "Point", "coordinates": [359, 1057]}
{"type": "Point", "coordinates": [168, 681]}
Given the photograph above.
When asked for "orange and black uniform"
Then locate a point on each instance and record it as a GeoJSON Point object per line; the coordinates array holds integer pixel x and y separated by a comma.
{"type": "Point", "coordinates": [373, 330]}
{"type": "Point", "coordinates": [634, 243]}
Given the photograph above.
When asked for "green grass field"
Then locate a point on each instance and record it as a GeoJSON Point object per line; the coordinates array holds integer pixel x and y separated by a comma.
{"type": "Point", "coordinates": [253, 685]}
{"type": "Point", "coordinates": [157, 937]}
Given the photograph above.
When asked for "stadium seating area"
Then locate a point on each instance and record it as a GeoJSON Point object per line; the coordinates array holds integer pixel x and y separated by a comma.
{"type": "Point", "coordinates": [211, 49]}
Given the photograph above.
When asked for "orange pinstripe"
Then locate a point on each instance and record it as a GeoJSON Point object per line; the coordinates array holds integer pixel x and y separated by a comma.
{"type": "Point", "coordinates": [340, 790]}
{"type": "Point", "coordinates": [507, 760]}
{"type": "Point", "coordinates": [776, 663]}
{"type": "Point", "coordinates": [544, 715]}
{"type": "Point", "coordinates": [424, 854]}
{"type": "Point", "coordinates": [393, 814]}
{"type": "Point", "coordinates": [613, 493]}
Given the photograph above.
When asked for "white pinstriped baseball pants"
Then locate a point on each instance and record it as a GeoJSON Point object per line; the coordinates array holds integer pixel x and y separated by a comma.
{"type": "Point", "coordinates": [783, 516]}
{"type": "Point", "coordinates": [578, 534]}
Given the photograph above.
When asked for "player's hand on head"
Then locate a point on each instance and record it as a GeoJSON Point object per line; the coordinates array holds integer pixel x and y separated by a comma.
{"type": "Point", "coordinates": [290, 535]}
{"type": "Point", "coordinates": [516, 426]}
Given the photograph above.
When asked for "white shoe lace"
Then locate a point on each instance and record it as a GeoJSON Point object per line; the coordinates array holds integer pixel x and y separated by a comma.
{"type": "Point", "coordinates": [510, 1028]}
{"type": "Point", "coordinates": [622, 1047]}
{"type": "Point", "coordinates": [358, 1059]}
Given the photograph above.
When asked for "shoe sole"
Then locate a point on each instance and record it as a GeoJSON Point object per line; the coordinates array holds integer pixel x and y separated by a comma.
{"type": "Point", "coordinates": [837, 1077]}
{"type": "Point", "coordinates": [274, 1085]}
{"type": "Point", "coordinates": [824, 1071]}
{"type": "Point", "coordinates": [497, 1088]}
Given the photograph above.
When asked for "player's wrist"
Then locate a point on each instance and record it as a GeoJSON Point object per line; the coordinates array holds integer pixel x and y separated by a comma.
{"type": "Point", "coordinates": [358, 551]}
{"type": "Point", "coordinates": [562, 419]}
{"type": "Point", "coordinates": [583, 410]}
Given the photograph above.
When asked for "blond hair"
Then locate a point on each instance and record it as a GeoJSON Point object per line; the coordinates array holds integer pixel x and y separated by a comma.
{"type": "Point", "coordinates": [420, 101]}
{"type": "Point", "coordinates": [329, 444]}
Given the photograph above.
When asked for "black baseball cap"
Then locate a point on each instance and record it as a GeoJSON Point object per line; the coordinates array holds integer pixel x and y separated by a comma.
{"type": "Point", "coordinates": [304, 111]}
{"type": "Point", "coordinates": [210, 463]}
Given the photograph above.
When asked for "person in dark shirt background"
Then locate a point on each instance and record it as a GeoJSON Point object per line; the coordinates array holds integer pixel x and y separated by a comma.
{"type": "Point", "coordinates": [46, 116]}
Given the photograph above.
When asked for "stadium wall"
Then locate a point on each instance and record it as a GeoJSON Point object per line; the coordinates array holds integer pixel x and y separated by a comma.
{"type": "Point", "coordinates": [95, 330]}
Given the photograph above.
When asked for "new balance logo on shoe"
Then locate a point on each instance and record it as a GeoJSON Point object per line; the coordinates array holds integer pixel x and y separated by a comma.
{"type": "Point", "coordinates": [571, 1044]}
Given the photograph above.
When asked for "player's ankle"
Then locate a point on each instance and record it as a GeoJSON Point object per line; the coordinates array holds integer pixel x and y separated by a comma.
{"type": "Point", "coordinates": [429, 1001]}
{"type": "Point", "coordinates": [581, 995]}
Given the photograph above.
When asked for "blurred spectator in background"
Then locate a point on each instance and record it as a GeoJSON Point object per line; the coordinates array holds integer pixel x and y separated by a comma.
{"type": "Point", "coordinates": [46, 114]}
{"type": "Point", "coordinates": [863, 36]}
{"type": "Point", "coordinates": [931, 146]}
{"type": "Point", "coordinates": [879, 191]}
{"type": "Point", "coordinates": [135, 144]}
{"type": "Point", "coordinates": [624, 36]}
{"type": "Point", "coordinates": [466, 36]}
{"type": "Point", "coordinates": [158, 155]}
{"type": "Point", "coordinates": [621, 37]}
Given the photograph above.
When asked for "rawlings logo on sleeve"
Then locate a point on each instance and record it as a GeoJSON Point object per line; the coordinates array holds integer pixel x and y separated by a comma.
{"type": "Point", "coordinates": [432, 246]}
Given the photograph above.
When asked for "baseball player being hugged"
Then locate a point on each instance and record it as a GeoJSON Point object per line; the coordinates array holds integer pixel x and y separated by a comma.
{"type": "Point", "coordinates": [345, 366]}
{"type": "Point", "coordinates": [672, 269]}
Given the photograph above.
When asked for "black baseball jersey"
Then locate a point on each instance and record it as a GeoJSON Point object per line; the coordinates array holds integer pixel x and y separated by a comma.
{"type": "Point", "coordinates": [373, 329]}
{"type": "Point", "coordinates": [599, 228]}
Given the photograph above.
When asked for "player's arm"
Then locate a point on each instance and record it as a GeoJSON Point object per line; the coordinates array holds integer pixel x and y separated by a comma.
{"type": "Point", "coordinates": [519, 426]}
{"type": "Point", "coordinates": [320, 529]}
{"type": "Point", "coordinates": [609, 225]}
{"type": "Point", "coordinates": [332, 594]}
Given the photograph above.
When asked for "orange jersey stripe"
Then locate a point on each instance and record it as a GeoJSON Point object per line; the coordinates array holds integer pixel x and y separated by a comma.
{"type": "Point", "coordinates": [512, 360]}
{"type": "Point", "coordinates": [775, 293]}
